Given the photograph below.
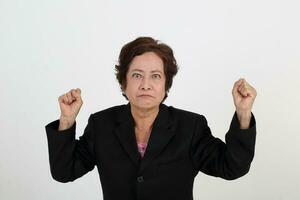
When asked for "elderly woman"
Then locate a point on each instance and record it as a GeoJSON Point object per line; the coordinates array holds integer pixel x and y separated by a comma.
{"type": "Point", "coordinates": [145, 149]}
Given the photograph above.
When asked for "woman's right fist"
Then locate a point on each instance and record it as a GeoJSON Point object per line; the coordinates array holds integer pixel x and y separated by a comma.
{"type": "Point", "coordinates": [70, 104]}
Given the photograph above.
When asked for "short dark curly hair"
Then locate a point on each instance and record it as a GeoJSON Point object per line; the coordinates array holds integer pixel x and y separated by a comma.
{"type": "Point", "coordinates": [142, 45]}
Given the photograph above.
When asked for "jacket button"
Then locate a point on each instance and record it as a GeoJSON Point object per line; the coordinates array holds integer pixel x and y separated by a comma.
{"type": "Point", "coordinates": [140, 179]}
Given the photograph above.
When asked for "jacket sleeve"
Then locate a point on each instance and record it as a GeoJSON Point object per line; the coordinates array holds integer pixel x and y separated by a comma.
{"type": "Point", "coordinates": [228, 160]}
{"type": "Point", "coordinates": [70, 158]}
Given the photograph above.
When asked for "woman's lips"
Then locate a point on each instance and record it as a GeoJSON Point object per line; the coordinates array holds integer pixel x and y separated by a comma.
{"type": "Point", "coordinates": [145, 95]}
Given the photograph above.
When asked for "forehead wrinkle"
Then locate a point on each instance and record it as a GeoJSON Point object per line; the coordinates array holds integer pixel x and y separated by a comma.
{"type": "Point", "coordinates": [139, 70]}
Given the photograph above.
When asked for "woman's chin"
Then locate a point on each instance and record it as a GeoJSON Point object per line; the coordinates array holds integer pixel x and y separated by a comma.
{"type": "Point", "coordinates": [145, 105]}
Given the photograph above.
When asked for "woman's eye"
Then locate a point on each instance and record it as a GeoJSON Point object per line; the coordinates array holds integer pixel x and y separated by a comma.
{"type": "Point", "coordinates": [136, 75]}
{"type": "Point", "coordinates": [156, 76]}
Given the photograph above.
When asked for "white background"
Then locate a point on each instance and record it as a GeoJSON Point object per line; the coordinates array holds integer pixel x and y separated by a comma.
{"type": "Point", "coordinates": [50, 47]}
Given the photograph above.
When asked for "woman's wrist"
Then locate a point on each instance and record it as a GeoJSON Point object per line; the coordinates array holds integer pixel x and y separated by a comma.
{"type": "Point", "coordinates": [65, 123]}
{"type": "Point", "coordinates": [244, 118]}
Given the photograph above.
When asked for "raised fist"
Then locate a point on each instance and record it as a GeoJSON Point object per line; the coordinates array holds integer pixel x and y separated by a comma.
{"type": "Point", "coordinates": [70, 104]}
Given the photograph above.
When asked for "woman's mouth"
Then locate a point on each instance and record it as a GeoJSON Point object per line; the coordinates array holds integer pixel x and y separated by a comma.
{"type": "Point", "coordinates": [145, 95]}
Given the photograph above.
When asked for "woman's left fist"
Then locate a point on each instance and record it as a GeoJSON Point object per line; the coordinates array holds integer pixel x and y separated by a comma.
{"type": "Point", "coordinates": [243, 96]}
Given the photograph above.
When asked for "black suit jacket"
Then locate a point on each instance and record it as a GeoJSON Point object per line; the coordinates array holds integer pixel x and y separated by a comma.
{"type": "Point", "coordinates": [180, 145]}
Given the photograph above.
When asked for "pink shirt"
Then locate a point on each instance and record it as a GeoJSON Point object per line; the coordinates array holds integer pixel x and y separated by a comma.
{"type": "Point", "coordinates": [142, 148]}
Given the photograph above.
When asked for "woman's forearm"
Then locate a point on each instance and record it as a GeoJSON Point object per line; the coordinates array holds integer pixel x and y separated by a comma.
{"type": "Point", "coordinates": [244, 118]}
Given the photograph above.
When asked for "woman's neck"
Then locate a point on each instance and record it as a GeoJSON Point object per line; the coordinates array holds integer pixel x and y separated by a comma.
{"type": "Point", "coordinates": [144, 118]}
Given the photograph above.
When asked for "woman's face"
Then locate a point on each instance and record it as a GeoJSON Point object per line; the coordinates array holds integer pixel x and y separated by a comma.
{"type": "Point", "coordinates": [146, 80]}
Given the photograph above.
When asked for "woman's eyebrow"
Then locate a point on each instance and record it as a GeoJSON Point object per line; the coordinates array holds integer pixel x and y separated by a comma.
{"type": "Point", "coordinates": [156, 71]}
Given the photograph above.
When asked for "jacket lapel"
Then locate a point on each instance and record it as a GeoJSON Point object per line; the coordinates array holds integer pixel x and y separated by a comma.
{"type": "Point", "coordinates": [125, 133]}
{"type": "Point", "coordinates": [162, 132]}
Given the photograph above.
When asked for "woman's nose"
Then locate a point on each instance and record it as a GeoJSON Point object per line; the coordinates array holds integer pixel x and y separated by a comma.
{"type": "Point", "coordinates": [145, 84]}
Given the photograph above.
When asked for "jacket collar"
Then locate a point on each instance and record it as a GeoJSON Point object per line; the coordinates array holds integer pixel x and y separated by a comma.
{"type": "Point", "coordinates": [163, 118]}
{"type": "Point", "coordinates": [162, 132]}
